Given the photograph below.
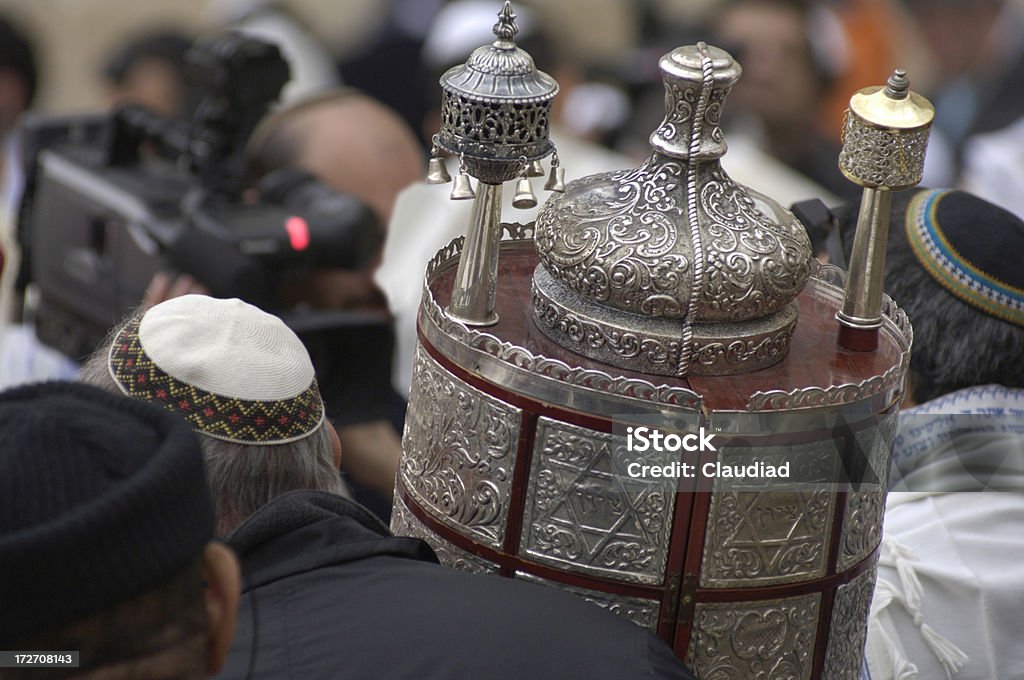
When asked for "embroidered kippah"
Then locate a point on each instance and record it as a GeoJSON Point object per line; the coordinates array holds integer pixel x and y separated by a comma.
{"type": "Point", "coordinates": [233, 371]}
{"type": "Point", "coordinates": [973, 248]}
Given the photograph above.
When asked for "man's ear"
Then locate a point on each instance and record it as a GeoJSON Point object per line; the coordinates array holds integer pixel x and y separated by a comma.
{"type": "Point", "coordinates": [223, 579]}
{"type": "Point", "coordinates": [335, 443]}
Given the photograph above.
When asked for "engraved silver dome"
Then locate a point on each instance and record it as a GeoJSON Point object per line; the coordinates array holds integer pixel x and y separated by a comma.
{"type": "Point", "coordinates": [673, 268]}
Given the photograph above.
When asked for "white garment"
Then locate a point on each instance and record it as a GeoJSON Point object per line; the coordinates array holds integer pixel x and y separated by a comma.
{"type": "Point", "coordinates": [969, 550]}
{"type": "Point", "coordinates": [950, 595]}
{"type": "Point", "coordinates": [425, 220]}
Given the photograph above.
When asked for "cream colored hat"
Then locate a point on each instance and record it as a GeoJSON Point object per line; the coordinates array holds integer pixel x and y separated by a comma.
{"type": "Point", "coordinates": [232, 370]}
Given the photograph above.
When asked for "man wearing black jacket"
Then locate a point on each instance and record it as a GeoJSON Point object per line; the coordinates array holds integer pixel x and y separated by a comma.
{"type": "Point", "coordinates": [329, 593]}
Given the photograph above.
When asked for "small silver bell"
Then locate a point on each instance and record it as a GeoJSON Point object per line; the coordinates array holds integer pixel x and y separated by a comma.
{"type": "Point", "coordinates": [524, 198]}
{"type": "Point", "coordinates": [462, 190]}
{"type": "Point", "coordinates": [556, 180]}
{"type": "Point", "coordinates": [437, 172]}
{"type": "Point", "coordinates": [535, 169]}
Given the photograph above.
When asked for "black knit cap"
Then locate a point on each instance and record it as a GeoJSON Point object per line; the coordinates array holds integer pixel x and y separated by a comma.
{"type": "Point", "coordinates": [102, 499]}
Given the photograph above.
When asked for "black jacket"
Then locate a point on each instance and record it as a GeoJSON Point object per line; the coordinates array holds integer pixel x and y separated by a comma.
{"type": "Point", "coordinates": [329, 593]}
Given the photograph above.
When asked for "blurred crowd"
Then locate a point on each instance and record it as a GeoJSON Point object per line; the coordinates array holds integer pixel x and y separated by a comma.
{"type": "Point", "coordinates": [362, 106]}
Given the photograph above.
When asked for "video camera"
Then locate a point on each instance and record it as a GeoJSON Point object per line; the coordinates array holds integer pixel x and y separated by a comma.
{"type": "Point", "coordinates": [111, 200]}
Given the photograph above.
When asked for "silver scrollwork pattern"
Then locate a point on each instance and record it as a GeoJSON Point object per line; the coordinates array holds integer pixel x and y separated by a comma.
{"type": "Point", "coordinates": [755, 641]}
{"type": "Point", "coordinates": [848, 631]}
{"type": "Point", "coordinates": [539, 366]}
{"type": "Point", "coordinates": [495, 130]}
{"type": "Point", "coordinates": [460, 447]}
{"type": "Point", "coordinates": [643, 613]}
{"type": "Point", "coordinates": [883, 158]}
{"type": "Point", "coordinates": [862, 517]}
{"type": "Point", "coordinates": [585, 514]}
{"type": "Point", "coordinates": [680, 102]}
{"type": "Point", "coordinates": [739, 355]}
{"type": "Point", "coordinates": [615, 239]}
{"type": "Point", "coordinates": [756, 263]}
{"type": "Point", "coordinates": [620, 239]}
{"type": "Point", "coordinates": [757, 538]}
{"type": "Point", "coordinates": [404, 523]}
{"type": "Point", "coordinates": [599, 341]}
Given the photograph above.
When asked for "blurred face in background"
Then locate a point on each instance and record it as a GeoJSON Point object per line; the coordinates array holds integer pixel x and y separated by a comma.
{"type": "Point", "coordinates": [13, 98]}
{"type": "Point", "coordinates": [955, 31]}
{"type": "Point", "coordinates": [154, 83]}
{"type": "Point", "coordinates": [779, 83]}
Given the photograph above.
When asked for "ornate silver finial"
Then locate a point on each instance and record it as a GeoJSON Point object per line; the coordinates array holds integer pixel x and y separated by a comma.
{"type": "Point", "coordinates": [898, 86]}
{"type": "Point", "coordinates": [506, 28]}
{"type": "Point", "coordinates": [885, 136]}
{"type": "Point", "coordinates": [673, 268]}
{"type": "Point", "coordinates": [495, 115]}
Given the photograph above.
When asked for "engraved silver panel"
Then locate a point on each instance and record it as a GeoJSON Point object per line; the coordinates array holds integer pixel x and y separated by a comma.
{"type": "Point", "coordinates": [460, 448]}
{"type": "Point", "coordinates": [755, 640]}
{"type": "Point", "coordinates": [759, 538]}
{"type": "Point", "coordinates": [638, 610]}
{"type": "Point", "coordinates": [585, 514]}
{"type": "Point", "coordinates": [404, 523]}
{"type": "Point", "coordinates": [848, 631]}
{"type": "Point", "coordinates": [863, 514]}
{"type": "Point", "coordinates": [765, 531]}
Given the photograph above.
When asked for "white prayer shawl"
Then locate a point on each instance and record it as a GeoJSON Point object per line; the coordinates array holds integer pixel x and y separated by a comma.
{"type": "Point", "coordinates": [949, 602]}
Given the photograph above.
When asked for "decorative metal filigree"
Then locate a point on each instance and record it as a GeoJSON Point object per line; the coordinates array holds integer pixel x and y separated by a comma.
{"type": "Point", "coordinates": [404, 523]}
{"type": "Point", "coordinates": [491, 129]}
{"type": "Point", "coordinates": [584, 513]}
{"type": "Point", "coordinates": [741, 354]}
{"type": "Point", "coordinates": [756, 263]}
{"type": "Point", "coordinates": [763, 538]}
{"type": "Point", "coordinates": [615, 239]}
{"type": "Point", "coordinates": [643, 613]}
{"type": "Point", "coordinates": [460, 447]}
{"type": "Point", "coordinates": [834, 395]}
{"type": "Point", "coordinates": [561, 375]}
{"type": "Point", "coordinates": [882, 158]}
{"type": "Point", "coordinates": [849, 629]}
{"type": "Point", "coordinates": [862, 517]}
{"type": "Point", "coordinates": [603, 342]}
{"type": "Point", "coordinates": [755, 640]}
{"type": "Point", "coordinates": [680, 101]}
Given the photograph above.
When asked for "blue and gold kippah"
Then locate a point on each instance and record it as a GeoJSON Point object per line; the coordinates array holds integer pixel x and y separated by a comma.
{"type": "Point", "coordinates": [973, 248]}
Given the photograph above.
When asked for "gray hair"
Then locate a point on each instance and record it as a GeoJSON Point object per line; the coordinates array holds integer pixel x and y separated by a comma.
{"type": "Point", "coordinates": [244, 477]}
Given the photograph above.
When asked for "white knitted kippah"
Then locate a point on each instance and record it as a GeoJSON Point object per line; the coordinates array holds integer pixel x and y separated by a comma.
{"type": "Point", "coordinates": [234, 371]}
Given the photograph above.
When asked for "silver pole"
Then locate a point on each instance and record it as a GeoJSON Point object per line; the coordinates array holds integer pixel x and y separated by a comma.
{"type": "Point", "coordinates": [477, 278]}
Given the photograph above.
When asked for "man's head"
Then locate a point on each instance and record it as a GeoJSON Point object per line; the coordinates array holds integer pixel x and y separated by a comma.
{"type": "Point", "coordinates": [954, 265]}
{"type": "Point", "coordinates": [105, 528]}
{"type": "Point", "coordinates": [790, 52]}
{"type": "Point", "coordinates": [150, 71]}
{"type": "Point", "coordinates": [18, 74]}
{"type": "Point", "coordinates": [348, 141]}
{"type": "Point", "coordinates": [244, 381]}
{"type": "Point", "coordinates": [955, 31]}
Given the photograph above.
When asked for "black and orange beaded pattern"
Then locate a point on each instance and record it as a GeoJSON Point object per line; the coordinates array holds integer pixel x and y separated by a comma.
{"type": "Point", "coordinates": [235, 420]}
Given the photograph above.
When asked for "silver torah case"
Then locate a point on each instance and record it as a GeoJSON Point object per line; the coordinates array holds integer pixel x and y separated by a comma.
{"type": "Point", "coordinates": [665, 296]}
